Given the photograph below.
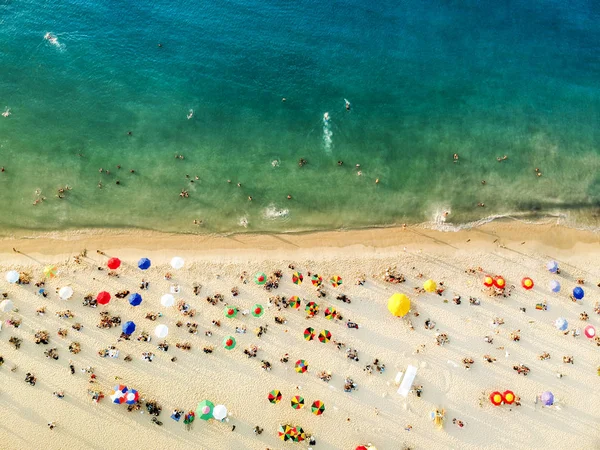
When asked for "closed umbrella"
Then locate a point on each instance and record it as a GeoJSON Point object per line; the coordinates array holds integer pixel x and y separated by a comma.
{"type": "Point", "coordinates": [430, 286]}
{"type": "Point", "coordinates": [177, 262]}
{"type": "Point", "coordinates": [50, 271]}
{"type": "Point", "coordinates": [555, 286]}
{"type": "Point", "coordinates": [547, 398]}
{"type": "Point", "coordinates": [561, 323]}
{"type": "Point", "coordinates": [161, 331]}
{"type": "Point", "coordinates": [219, 412]}
{"type": "Point", "coordinates": [258, 310]}
{"type": "Point", "coordinates": [12, 276]}
{"type": "Point", "coordinates": [229, 342]}
{"type": "Point", "coordinates": [144, 264]}
{"type": "Point", "coordinates": [103, 298]}
{"type": "Point", "coordinates": [135, 299]}
{"type": "Point", "coordinates": [578, 293]}
{"type": "Point", "coordinates": [7, 306]}
{"type": "Point", "coordinates": [167, 300]}
{"type": "Point", "coordinates": [65, 292]}
{"type": "Point", "coordinates": [128, 327]}
{"type": "Point", "coordinates": [205, 409]}
{"type": "Point", "coordinates": [399, 305]}
{"type": "Point", "coordinates": [552, 266]}
{"type": "Point", "coordinates": [113, 263]}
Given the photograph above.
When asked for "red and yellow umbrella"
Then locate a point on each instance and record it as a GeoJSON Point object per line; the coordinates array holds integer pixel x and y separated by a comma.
{"type": "Point", "coordinates": [301, 366]}
{"type": "Point", "coordinates": [527, 283]}
{"type": "Point", "coordinates": [324, 336]}
{"type": "Point", "coordinates": [309, 334]}
{"type": "Point", "coordinates": [330, 313]}
{"type": "Point", "coordinates": [488, 281]}
{"type": "Point", "coordinates": [312, 309]}
{"type": "Point", "coordinates": [509, 397]}
{"type": "Point", "coordinates": [336, 281]}
{"type": "Point", "coordinates": [274, 396]}
{"type": "Point", "coordinates": [496, 398]}
{"type": "Point", "coordinates": [294, 302]}
{"type": "Point", "coordinates": [318, 407]}
{"type": "Point", "coordinates": [499, 282]}
{"type": "Point", "coordinates": [297, 402]}
{"type": "Point", "coordinates": [316, 280]}
{"type": "Point", "coordinates": [297, 278]}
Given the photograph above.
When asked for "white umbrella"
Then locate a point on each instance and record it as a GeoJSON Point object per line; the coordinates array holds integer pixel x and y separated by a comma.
{"type": "Point", "coordinates": [65, 292]}
{"type": "Point", "coordinates": [161, 331]}
{"type": "Point", "coordinates": [177, 262]}
{"type": "Point", "coordinates": [167, 300]}
{"type": "Point", "coordinates": [6, 306]}
{"type": "Point", "coordinates": [219, 412]}
{"type": "Point", "coordinates": [12, 276]}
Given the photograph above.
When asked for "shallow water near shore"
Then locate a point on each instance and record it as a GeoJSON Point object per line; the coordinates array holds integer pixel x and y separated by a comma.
{"type": "Point", "coordinates": [424, 82]}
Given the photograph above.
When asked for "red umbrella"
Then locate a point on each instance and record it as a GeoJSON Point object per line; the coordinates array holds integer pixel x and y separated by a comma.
{"type": "Point", "coordinates": [361, 447]}
{"type": "Point", "coordinates": [488, 281]}
{"type": "Point", "coordinates": [496, 398]}
{"type": "Point", "coordinates": [113, 263]}
{"type": "Point", "coordinates": [527, 283]}
{"type": "Point", "coordinates": [499, 282]}
{"type": "Point", "coordinates": [103, 298]}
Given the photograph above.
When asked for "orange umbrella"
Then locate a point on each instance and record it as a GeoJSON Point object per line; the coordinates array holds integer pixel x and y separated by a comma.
{"type": "Point", "coordinates": [496, 398]}
{"type": "Point", "coordinates": [509, 397]}
{"type": "Point", "coordinates": [527, 283]}
{"type": "Point", "coordinates": [499, 282]}
{"type": "Point", "coordinates": [488, 281]}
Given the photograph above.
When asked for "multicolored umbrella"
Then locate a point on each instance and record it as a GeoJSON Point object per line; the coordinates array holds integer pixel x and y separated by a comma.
{"type": "Point", "coordinates": [309, 334]}
{"type": "Point", "coordinates": [496, 398]}
{"type": "Point", "coordinates": [324, 336]}
{"type": "Point", "coordinates": [297, 278]}
{"type": "Point", "coordinates": [527, 283]}
{"type": "Point", "coordinates": [128, 327]}
{"type": "Point", "coordinates": [132, 396]}
{"type": "Point", "coordinates": [301, 366]}
{"type": "Point", "coordinates": [229, 343]}
{"type": "Point", "coordinates": [204, 409]}
{"type": "Point", "coordinates": [103, 298]}
{"type": "Point", "coordinates": [284, 432]}
{"type": "Point", "coordinates": [399, 305]}
{"type": "Point", "coordinates": [274, 396]}
{"type": "Point", "coordinates": [297, 402]}
{"type": "Point", "coordinates": [298, 434]}
{"type": "Point", "coordinates": [330, 313]}
{"type": "Point", "coordinates": [316, 280]}
{"type": "Point", "coordinates": [578, 293]}
{"type": "Point", "coordinates": [260, 278]}
{"type": "Point", "coordinates": [430, 286]}
{"type": "Point", "coordinates": [312, 309]}
{"type": "Point", "coordinates": [258, 310]}
{"type": "Point", "coordinates": [230, 312]}
{"type": "Point", "coordinates": [509, 397]}
{"type": "Point", "coordinates": [113, 263]}
{"type": "Point", "coordinates": [318, 407]}
{"type": "Point", "coordinates": [144, 264]}
{"type": "Point", "coordinates": [135, 299]}
{"type": "Point", "coordinates": [336, 281]}
{"type": "Point", "coordinates": [50, 271]}
{"type": "Point", "coordinates": [294, 302]}
{"type": "Point", "coordinates": [118, 395]}
{"type": "Point", "coordinates": [499, 282]}
{"type": "Point", "coordinates": [488, 281]}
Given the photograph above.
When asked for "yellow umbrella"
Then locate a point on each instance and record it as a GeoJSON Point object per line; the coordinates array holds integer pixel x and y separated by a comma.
{"type": "Point", "coordinates": [430, 286]}
{"type": "Point", "coordinates": [399, 304]}
{"type": "Point", "coordinates": [50, 271]}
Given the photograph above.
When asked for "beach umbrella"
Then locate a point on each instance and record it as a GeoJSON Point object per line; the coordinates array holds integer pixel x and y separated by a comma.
{"type": "Point", "coordinates": [552, 266]}
{"type": "Point", "coordinates": [301, 366]}
{"type": "Point", "coordinates": [590, 332]}
{"type": "Point", "coordinates": [488, 281]}
{"type": "Point", "coordinates": [65, 292]}
{"type": "Point", "coordinates": [144, 264]}
{"type": "Point", "coordinates": [219, 412]}
{"type": "Point", "coordinates": [361, 447]}
{"type": "Point", "coordinates": [297, 402]}
{"type": "Point", "coordinates": [324, 336]}
{"type": "Point", "coordinates": [128, 327]}
{"type": "Point", "coordinates": [113, 263]}
{"type": "Point", "coordinates": [399, 305]}
{"type": "Point", "coordinates": [311, 309]}
{"type": "Point", "coordinates": [167, 300]}
{"type": "Point", "coordinates": [274, 396]}
{"type": "Point", "coordinates": [205, 409]}
{"type": "Point", "coordinates": [284, 432]}
{"type": "Point", "coordinates": [430, 286]}
{"type": "Point", "coordinates": [230, 312]}
{"type": "Point", "coordinates": [229, 342]}
{"type": "Point", "coordinates": [316, 280]}
{"type": "Point", "coordinates": [118, 395]}
{"type": "Point", "coordinates": [12, 276]}
{"type": "Point", "coordinates": [161, 331]}
{"type": "Point", "coordinates": [298, 434]}
{"type": "Point", "coordinates": [578, 293]}
{"type": "Point", "coordinates": [135, 299]}
{"type": "Point", "coordinates": [103, 298]}
{"type": "Point", "coordinates": [50, 271]}
{"type": "Point", "coordinates": [318, 407]}
{"type": "Point", "coordinates": [547, 398]}
{"type": "Point", "coordinates": [258, 310]}
{"type": "Point", "coordinates": [509, 397]}
{"type": "Point", "coordinates": [561, 323]}
{"type": "Point", "coordinates": [131, 396]}
{"type": "Point", "coordinates": [496, 398]}
{"type": "Point", "coordinates": [297, 278]}
{"type": "Point", "coordinates": [294, 302]}
{"type": "Point", "coordinates": [177, 262]}
{"type": "Point", "coordinates": [7, 306]}
{"type": "Point", "coordinates": [330, 313]}
{"type": "Point", "coordinates": [499, 282]}
{"type": "Point", "coordinates": [336, 281]}
{"type": "Point", "coordinates": [554, 286]}
{"type": "Point", "coordinates": [309, 334]}
{"type": "Point", "coordinates": [527, 283]}
{"type": "Point", "coordinates": [260, 278]}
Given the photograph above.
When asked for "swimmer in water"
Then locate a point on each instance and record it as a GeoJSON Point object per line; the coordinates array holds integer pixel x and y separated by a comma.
{"type": "Point", "coordinates": [6, 112]}
{"type": "Point", "coordinates": [347, 105]}
{"type": "Point", "coordinates": [51, 38]}
{"type": "Point", "coordinates": [326, 116]}
{"type": "Point", "coordinates": [190, 114]}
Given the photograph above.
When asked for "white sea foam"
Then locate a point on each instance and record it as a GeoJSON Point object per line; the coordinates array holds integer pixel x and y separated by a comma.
{"type": "Point", "coordinates": [272, 212]}
{"type": "Point", "coordinates": [243, 222]}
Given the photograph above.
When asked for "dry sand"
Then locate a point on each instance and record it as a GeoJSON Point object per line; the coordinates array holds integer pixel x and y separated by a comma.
{"type": "Point", "coordinates": [374, 413]}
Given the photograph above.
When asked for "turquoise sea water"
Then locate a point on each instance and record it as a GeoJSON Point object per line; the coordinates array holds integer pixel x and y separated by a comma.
{"type": "Point", "coordinates": [425, 80]}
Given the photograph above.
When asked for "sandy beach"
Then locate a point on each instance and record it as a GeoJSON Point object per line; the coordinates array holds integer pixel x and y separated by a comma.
{"type": "Point", "coordinates": [373, 413]}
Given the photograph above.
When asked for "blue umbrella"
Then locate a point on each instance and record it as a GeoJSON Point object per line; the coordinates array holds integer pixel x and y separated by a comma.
{"type": "Point", "coordinates": [135, 299]}
{"type": "Point", "coordinates": [128, 327]}
{"type": "Point", "coordinates": [561, 323]}
{"type": "Point", "coordinates": [554, 286]}
{"type": "Point", "coordinates": [578, 293]}
{"type": "Point", "coordinates": [552, 266]}
{"type": "Point", "coordinates": [547, 398]}
{"type": "Point", "coordinates": [144, 264]}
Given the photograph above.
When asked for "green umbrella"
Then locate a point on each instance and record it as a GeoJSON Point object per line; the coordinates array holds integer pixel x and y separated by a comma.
{"type": "Point", "coordinates": [229, 342]}
{"type": "Point", "coordinates": [258, 310]}
{"type": "Point", "coordinates": [260, 278]}
{"type": "Point", "coordinates": [230, 311]}
{"type": "Point", "coordinates": [205, 409]}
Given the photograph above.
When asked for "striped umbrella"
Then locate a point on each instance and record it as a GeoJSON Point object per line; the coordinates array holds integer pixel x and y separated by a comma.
{"type": "Point", "coordinates": [316, 280]}
{"type": "Point", "coordinates": [260, 278]}
{"type": "Point", "coordinates": [284, 432]}
{"type": "Point", "coordinates": [318, 407]}
{"type": "Point", "coordinates": [312, 309]}
{"type": "Point", "coordinates": [50, 271]}
{"type": "Point", "coordinates": [297, 402]}
{"type": "Point", "coordinates": [301, 366]}
{"type": "Point", "coordinates": [274, 396]}
{"type": "Point", "coordinates": [297, 278]}
{"type": "Point", "coordinates": [230, 312]}
{"type": "Point", "coordinates": [309, 334]}
{"type": "Point", "coordinates": [294, 302]}
{"type": "Point", "coordinates": [118, 395]}
{"type": "Point", "coordinates": [324, 336]}
{"type": "Point", "coordinates": [258, 310]}
{"type": "Point", "coordinates": [229, 342]}
{"type": "Point", "coordinates": [330, 313]}
{"type": "Point", "coordinates": [336, 281]}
